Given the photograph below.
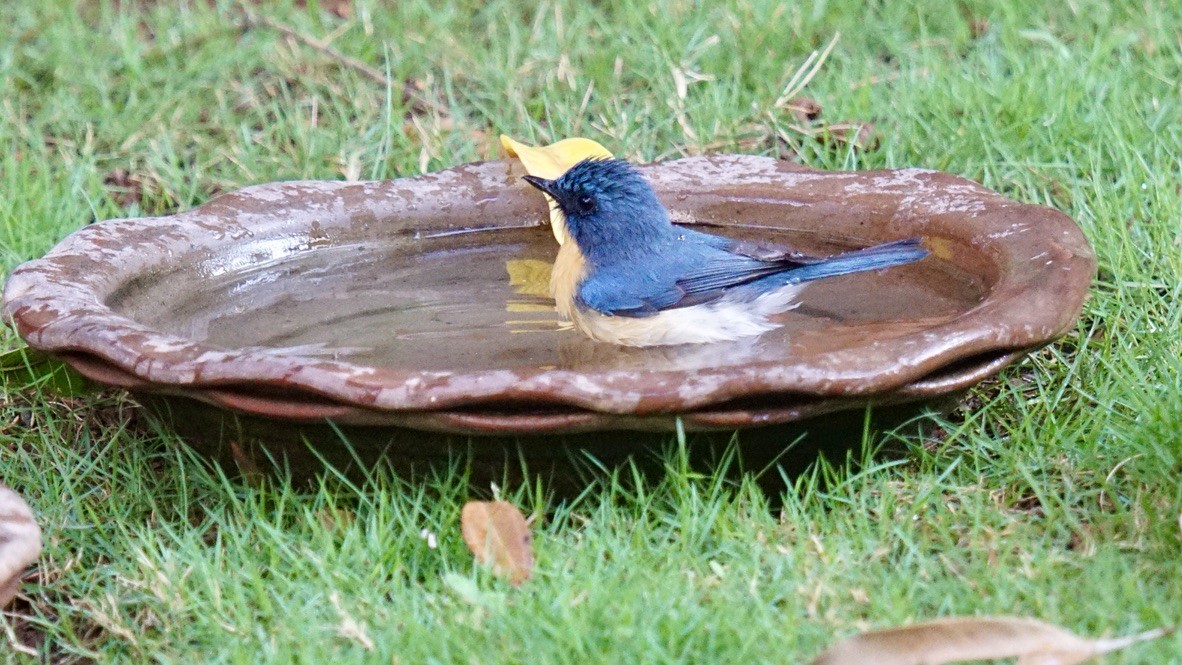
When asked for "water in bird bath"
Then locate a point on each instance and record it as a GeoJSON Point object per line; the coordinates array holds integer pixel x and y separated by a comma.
{"type": "Point", "coordinates": [474, 301]}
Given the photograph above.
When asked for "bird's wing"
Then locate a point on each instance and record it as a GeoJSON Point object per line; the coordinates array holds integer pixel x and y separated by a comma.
{"type": "Point", "coordinates": [724, 270]}
{"type": "Point", "coordinates": [696, 273]}
{"type": "Point", "coordinates": [683, 280]}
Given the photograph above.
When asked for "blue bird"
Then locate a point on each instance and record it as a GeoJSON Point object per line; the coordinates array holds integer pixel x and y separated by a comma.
{"type": "Point", "coordinates": [628, 276]}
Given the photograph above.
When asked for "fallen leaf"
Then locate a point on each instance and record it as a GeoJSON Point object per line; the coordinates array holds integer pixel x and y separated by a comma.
{"type": "Point", "coordinates": [555, 159]}
{"type": "Point", "coordinates": [145, 191]}
{"type": "Point", "coordinates": [498, 536]}
{"type": "Point", "coordinates": [804, 109]}
{"type": "Point", "coordinates": [552, 161]}
{"type": "Point", "coordinates": [125, 187]}
{"type": "Point", "coordinates": [961, 639]}
{"type": "Point", "coordinates": [20, 542]}
{"type": "Point", "coordinates": [861, 135]}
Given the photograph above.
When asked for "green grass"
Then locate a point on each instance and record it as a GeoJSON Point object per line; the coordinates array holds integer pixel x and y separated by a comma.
{"type": "Point", "coordinates": [1055, 494]}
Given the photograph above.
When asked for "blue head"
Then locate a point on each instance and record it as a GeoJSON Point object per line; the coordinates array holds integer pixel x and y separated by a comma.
{"type": "Point", "coordinates": [611, 211]}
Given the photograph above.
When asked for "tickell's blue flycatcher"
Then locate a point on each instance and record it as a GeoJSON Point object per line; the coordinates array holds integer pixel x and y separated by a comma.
{"type": "Point", "coordinates": [629, 276]}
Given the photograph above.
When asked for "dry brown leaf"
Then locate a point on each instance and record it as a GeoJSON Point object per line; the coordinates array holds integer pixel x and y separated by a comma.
{"type": "Point", "coordinates": [125, 188]}
{"type": "Point", "coordinates": [957, 640]}
{"type": "Point", "coordinates": [497, 534]}
{"type": "Point", "coordinates": [804, 109]}
{"type": "Point", "coordinates": [20, 542]}
{"type": "Point", "coordinates": [862, 135]}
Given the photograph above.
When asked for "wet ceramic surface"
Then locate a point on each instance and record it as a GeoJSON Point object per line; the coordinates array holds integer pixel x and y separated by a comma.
{"type": "Point", "coordinates": [418, 302]}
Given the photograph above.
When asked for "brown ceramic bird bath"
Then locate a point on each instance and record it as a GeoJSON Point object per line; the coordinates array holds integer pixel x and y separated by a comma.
{"type": "Point", "coordinates": [391, 304]}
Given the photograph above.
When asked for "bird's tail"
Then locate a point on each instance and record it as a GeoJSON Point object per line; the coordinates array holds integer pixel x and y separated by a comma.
{"type": "Point", "coordinates": [872, 258]}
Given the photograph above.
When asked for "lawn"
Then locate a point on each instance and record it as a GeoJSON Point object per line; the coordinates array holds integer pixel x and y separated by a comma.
{"type": "Point", "coordinates": [1054, 492]}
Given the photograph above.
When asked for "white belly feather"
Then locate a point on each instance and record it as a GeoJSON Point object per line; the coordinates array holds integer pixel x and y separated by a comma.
{"type": "Point", "coordinates": [718, 321]}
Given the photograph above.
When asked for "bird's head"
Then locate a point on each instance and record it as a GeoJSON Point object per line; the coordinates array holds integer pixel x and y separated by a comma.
{"type": "Point", "coordinates": [610, 208]}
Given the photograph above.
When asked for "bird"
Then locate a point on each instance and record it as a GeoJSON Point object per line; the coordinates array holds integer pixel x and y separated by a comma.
{"type": "Point", "coordinates": [629, 276]}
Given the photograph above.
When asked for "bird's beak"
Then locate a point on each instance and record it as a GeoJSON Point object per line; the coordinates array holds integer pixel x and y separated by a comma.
{"type": "Point", "coordinates": [541, 183]}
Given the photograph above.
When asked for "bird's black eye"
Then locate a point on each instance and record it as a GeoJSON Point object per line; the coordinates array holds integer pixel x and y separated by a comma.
{"type": "Point", "coordinates": [586, 203]}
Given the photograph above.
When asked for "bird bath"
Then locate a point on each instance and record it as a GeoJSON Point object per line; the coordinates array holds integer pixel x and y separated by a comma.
{"type": "Point", "coordinates": [419, 304]}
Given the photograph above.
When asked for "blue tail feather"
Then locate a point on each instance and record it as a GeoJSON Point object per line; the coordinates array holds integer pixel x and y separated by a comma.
{"type": "Point", "coordinates": [878, 257]}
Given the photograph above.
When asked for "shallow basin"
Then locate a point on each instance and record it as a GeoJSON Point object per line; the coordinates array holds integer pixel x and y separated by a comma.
{"type": "Point", "coordinates": [419, 303]}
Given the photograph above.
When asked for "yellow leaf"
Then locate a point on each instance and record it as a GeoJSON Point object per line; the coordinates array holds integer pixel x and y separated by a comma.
{"type": "Point", "coordinates": [498, 535]}
{"type": "Point", "coordinates": [555, 159]}
{"type": "Point", "coordinates": [552, 161]}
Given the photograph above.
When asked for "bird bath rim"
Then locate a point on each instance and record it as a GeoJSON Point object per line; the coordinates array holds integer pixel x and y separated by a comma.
{"type": "Point", "coordinates": [1033, 260]}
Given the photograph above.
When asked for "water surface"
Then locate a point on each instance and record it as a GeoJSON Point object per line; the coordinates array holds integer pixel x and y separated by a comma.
{"type": "Point", "coordinates": [449, 303]}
